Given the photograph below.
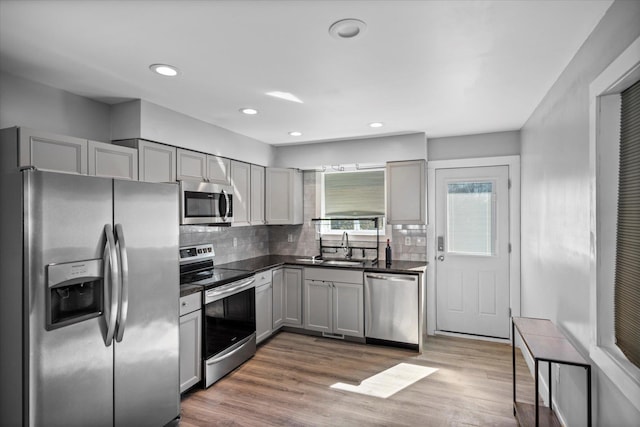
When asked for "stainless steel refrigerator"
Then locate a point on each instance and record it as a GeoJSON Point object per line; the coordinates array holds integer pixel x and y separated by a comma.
{"type": "Point", "coordinates": [90, 283]}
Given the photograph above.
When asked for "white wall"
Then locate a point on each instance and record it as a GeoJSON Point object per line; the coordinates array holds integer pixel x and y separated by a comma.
{"type": "Point", "coordinates": [142, 119]}
{"type": "Point", "coordinates": [350, 151]}
{"type": "Point", "coordinates": [494, 144]}
{"type": "Point", "coordinates": [31, 104]}
{"type": "Point", "coordinates": [556, 213]}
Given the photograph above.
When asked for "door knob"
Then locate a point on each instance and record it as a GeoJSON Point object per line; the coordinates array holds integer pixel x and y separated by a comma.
{"type": "Point", "coordinates": [441, 258]}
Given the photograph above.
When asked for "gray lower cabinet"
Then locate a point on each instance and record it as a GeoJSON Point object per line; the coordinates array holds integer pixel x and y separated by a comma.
{"type": "Point", "coordinates": [277, 288]}
{"type": "Point", "coordinates": [292, 296]}
{"type": "Point", "coordinates": [332, 304]}
{"type": "Point", "coordinates": [190, 340]}
{"type": "Point", "coordinates": [287, 297]}
{"type": "Point", "coordinates": [264, 306]}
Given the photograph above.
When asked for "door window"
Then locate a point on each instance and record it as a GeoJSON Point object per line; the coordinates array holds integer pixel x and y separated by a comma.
{"type": "Point", "coordinates": [471, 218]}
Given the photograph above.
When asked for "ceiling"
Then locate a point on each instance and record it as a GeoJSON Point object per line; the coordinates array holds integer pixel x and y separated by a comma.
{"type": "Point", "coordinates": [440, 67]}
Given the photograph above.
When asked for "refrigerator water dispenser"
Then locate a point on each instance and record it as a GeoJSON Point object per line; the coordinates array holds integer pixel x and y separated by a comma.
{"type": "Point", "coordinates": [75, 292]}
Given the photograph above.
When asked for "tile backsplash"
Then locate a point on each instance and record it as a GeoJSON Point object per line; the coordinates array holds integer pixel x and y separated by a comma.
{"type": "Point", "coordinates": [254, 241]}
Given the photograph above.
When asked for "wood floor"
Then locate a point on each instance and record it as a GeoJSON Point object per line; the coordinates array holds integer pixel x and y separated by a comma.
{"type": "Point", "coordinates": [287, 383]}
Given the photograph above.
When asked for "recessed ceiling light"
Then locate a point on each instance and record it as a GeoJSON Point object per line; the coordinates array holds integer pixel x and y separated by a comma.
{"type": "Point", "coordinates": [164, 70]}
{"type": "Point", "coordinates": [295, 133]}
{"type": "Point", "coordinates": [249, 111]}
{"type": "Point", "coordinates": [376, 125]}
{"type": "Point", "coordinates": [285, 95]}
{"type": "Point", "coordinates": [347, 28]}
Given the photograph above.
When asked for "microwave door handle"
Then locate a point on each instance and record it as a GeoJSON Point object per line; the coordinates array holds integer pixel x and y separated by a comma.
{"type": "Point", "coordinates": [226, 205]}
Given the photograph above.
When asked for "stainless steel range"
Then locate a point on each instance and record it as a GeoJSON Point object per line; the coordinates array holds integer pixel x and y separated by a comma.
{"type": "Point", "coordinates": [229, 323]}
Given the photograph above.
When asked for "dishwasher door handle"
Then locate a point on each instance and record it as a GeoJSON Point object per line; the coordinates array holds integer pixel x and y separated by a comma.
{"type": "Point", "coordinates": [393, 278]}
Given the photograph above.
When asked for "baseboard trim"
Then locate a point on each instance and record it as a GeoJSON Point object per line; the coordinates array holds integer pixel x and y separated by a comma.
{"type": "Point", "coordinates": [473, 337]}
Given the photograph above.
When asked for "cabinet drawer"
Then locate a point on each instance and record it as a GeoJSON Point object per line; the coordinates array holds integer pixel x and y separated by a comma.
{"type": "Point", "coordinates": [262, 278]}
{"type": "Point", "coordinates": [334, 275]}
{"type": "Point", "coordinates": [190, 303]}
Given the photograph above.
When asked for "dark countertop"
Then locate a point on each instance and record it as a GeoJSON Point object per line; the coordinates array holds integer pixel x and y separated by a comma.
{"type": "Point", "coordinates": [271, 261]}
{"type": "Point", "coordinates": [189, 289]}
{"type": "Point", "coordinates": [267, 262]}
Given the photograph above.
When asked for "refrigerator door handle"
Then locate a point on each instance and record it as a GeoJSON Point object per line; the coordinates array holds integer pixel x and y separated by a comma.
{"type": "Point", "coordinates": [112, 286]}
{"type": "Point", "coordinates": [123, 307]}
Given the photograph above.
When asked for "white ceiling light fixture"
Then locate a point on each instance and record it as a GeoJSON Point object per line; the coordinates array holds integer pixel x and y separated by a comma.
{"type": "Point", "coordinates": [285, 95]}
{"type": "Point", "coordinates": [295, 133]}
{"type": "Point", "coordinates": [347, 29]}
{"type": "Point", "coordinates": [376, 125]}
{"type": "Point", "coordinates": [164, 70]}
{"type": "Point", "coordinates": [249, 111]}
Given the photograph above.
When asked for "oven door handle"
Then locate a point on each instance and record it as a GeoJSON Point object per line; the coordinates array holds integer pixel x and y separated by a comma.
{"type": "Point", "coordinates": [215, 360]}
{"type": "Point", "coordinates": [235, 287]}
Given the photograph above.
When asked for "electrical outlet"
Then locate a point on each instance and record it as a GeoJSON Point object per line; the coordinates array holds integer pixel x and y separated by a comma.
{"type": "Point", "coordinates": [235, 242]}
{"type": "Point", "coordinates": [407, 241]}
{"type": "Point", "coordinates": [290, 238]}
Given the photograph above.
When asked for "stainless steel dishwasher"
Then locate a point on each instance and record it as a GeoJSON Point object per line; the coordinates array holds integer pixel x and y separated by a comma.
{"type": "Point", "coordinates": [392, 309]}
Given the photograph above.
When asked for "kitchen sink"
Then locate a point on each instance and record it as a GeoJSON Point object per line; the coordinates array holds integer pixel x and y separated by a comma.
{"type": "Point", "coordinates": [344, 263]}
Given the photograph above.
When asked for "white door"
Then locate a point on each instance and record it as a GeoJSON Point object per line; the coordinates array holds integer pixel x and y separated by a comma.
{"type": "Point", "coordinates": [472, 242]}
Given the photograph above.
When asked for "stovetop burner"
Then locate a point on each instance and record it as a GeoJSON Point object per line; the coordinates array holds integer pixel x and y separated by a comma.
{"type": "Point", "coordinates": [196, 268]}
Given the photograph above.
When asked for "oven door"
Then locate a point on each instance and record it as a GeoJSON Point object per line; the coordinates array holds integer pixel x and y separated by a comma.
{"type": "Point", "coordinates": [204, 203]}
{"type": "Point", "coordinates": [229, 316]}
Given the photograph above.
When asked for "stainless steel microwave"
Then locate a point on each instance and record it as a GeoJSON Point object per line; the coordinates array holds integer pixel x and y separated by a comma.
{"type": "Point", "coordinates": [205, 203]}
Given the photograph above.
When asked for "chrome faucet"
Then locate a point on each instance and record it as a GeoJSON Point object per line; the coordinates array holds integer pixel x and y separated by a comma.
{"type": "Point", "coordinates": [345, 248]}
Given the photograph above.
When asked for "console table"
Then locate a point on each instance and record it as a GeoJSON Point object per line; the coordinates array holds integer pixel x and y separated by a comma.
{"type": "Point", "coordinates": [545, 343]}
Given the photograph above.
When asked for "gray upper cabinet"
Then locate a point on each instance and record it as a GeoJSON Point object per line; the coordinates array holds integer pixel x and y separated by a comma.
{"type": "Point", "coordinates": [257, 195]}
{"type": "Point", "coordinates": [191, 165]}
{"type": "Point", "coordinates": [156, 162]}
{"type": "Point", "coordinates": [283, 196]}
{"type": "Point", "coordinates": [196, 166]}
{"type": "Point", "coordinates": [406, 192]}
{"type": "Point", "coordinates": [112, 161]}
{"type": "Point", "coordinates": [218, 170]}
{"type": "Point", "coordinates": [46, 151]}
{"type": "Point", "coordinates": [241, 182]}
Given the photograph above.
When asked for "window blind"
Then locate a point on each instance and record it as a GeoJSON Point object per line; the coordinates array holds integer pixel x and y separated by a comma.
{"type": "Point", "coordinates": [353, 194]}
{"type": "Point", "coordinates": [627, 271]}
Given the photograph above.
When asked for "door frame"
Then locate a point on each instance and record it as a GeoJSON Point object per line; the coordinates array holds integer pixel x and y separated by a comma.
{"type": "Point", "coordinates": [513, 162]}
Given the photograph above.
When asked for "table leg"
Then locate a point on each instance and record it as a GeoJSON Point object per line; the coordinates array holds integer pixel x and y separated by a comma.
{"type": "Point", "coordinates": [535, 372]}
{"type": "Point", "coordinates": [550, 382]}
{"type": "Point", "coordinates": [589, 395]}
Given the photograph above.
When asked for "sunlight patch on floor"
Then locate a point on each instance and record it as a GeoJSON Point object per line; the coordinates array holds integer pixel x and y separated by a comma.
{"type": "Point", "coordinates": [388, 382]}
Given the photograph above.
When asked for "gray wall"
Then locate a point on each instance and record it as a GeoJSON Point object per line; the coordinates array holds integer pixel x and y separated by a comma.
{"type": "Point", "coordinates": [31, 104]}
{"type": "Point", "coordinates": [350, 151]}
{"type": "Point", "coordinates": [304, 236]}
{"type": "Point", "coordinates": [142, 119]}
{"type": "Point", "coordinates": [471, 146]}
{"type": "Point", "coordinates": [556, 212]}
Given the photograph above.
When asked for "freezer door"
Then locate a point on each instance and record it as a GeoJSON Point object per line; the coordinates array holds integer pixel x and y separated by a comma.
{"type": "Point", "coordinates": [70, 367]}
{"type": "Point", "coordinates": [146, 377]}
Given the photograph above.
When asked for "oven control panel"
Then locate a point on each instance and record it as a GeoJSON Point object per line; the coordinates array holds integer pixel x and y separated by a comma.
{"type": "Point", "coordinates": [197, 252]}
